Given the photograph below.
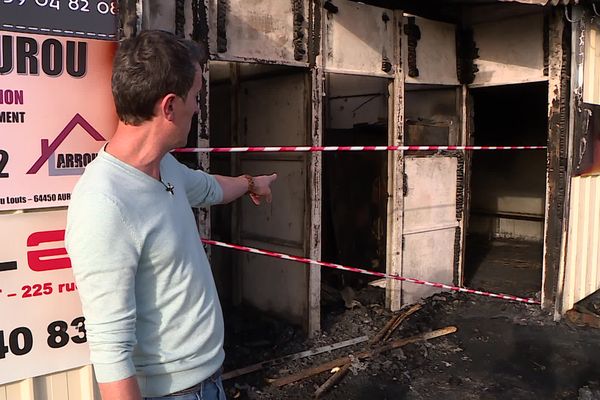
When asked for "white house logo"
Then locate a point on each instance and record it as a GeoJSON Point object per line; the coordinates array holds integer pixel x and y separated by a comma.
{"type": "Point", "coordinates": [66, 163]}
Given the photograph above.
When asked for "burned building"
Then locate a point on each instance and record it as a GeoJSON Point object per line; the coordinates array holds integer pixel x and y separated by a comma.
{"type": "Point", "coordinates": [451, 73]}
{"type": "Point", "coordinates": [520, 73]}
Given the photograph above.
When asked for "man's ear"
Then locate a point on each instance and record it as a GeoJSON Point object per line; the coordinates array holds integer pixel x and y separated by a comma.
{"type": "Point", "coordinates": [166, 107]}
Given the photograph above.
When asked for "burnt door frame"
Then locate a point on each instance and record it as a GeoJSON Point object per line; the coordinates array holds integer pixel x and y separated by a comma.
{"type": "Point", "coordinates": [557, 182]}
{"type": "Point", "coordinates": [558, 60]}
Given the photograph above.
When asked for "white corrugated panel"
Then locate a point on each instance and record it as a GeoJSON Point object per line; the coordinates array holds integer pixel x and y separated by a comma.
{"type": "Point", "coordinates": [75, 384]}
{"type": "Point", "coordinates": [591, 66]}
{"type": "Point", "coordinates": [581, 277]}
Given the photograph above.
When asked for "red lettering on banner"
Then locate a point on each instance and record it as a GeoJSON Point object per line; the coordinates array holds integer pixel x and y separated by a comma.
{"type": "Point", "coordinates": [38, 259]}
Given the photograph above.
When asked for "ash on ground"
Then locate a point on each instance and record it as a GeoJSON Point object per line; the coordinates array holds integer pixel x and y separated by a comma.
{"type": "Point", "coordinates": [502, 350]}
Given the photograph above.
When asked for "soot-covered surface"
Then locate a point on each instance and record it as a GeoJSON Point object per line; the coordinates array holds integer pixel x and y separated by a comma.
{"type": "Point", "coordinates": [501, 350]}
{"type": "Point", "coordinates": [505, 266]}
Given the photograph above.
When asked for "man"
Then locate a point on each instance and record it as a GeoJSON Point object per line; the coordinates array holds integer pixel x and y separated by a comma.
{"type": "Point", "coordinates": [153, 318]}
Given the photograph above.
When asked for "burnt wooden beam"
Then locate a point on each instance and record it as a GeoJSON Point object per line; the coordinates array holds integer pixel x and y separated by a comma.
{"type": "Point", "coordinates": [396, 177]}
{"type": "Point", "coordinates": [307, 373]}
{"type": "Point", "coordinates": [559, 85]}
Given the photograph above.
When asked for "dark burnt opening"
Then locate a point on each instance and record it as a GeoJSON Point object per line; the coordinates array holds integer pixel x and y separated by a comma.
{"type": "Point", "coordinates": [504, 245]}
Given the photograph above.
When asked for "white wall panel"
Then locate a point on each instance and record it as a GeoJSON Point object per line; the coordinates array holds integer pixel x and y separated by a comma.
{"type": "Point", "coordinates": [510, 51]}
{"type": "Point", "coordinates": [356, 100]}
{"type": "Point", "coordinates": [429, 224]}
{"type": "Point", "coordinates": [256, 30]}
{"type": "Point", "coordinates": [436, 53]}
{"type": "Point", "coordinates": [357, 39]}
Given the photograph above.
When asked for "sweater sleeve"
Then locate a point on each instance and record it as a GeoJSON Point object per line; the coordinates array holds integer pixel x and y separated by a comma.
{"type": "Point", "coordinates": [104, 254]}
{"type": "Point", "coordinates": [202, 189]}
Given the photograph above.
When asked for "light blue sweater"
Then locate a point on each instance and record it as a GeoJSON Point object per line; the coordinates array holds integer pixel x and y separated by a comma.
{"type": "Point", "coordinates": [146, 287]}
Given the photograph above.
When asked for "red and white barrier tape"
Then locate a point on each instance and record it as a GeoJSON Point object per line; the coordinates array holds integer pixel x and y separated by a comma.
{"type": "Point", "coordinates": [287, 149]}
{"type": "Point", "coordinates": [364, 271]}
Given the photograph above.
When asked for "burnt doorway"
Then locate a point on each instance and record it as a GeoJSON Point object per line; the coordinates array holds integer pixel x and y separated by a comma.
{"type": "Point", "coordinates": [354, 185]}
{"type": "Point", "coordinates": [262, 105]}
{"type": "Point", "coordinates": [504, 244]}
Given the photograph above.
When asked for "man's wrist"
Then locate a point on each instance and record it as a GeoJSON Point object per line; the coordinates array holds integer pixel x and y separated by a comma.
{"type": "Point", "coordinates": [251, 184]}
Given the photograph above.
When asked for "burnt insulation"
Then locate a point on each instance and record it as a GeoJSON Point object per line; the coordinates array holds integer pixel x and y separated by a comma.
{"type": "Point", "coordinates": [460, 185]}
{"type": "Point", "coordinates": [127, 19]}
{"type": "Point", "coordinates": [563, 121]}
{"type": "Point", "coordinates": [587, 123]}
{"type": "Point", "coordinates": [200, 16]}
{"type": "Point", "coordinates": [180, 18]}
{"type": "Point", "coordinates": [314, 44]}
{"type": "Point", "coordinates": [222, 10]}
{"type": "Point", "coordinates": [466, 52]}
{"type": "Point", "coordinates": [298, 15]}
{"type": "Point", "coordinates": [203, 101]}
{"type": "Point", "coordinates": [457, 251]}
{"type": "Point", "coordinates": [460, 206]}
{"type": "Point", "coordinates": [546, 44]}
{"type": "Point", "coordinates": [412, 31]}
{"type": "Point", "coordinates": [200, 35]}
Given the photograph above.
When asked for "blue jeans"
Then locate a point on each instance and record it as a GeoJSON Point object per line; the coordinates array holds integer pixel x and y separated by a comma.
{"type": "Point", "coordinates": [210, 389]}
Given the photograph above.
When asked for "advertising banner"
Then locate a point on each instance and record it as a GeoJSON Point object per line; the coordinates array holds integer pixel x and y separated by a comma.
{"type": "Point", "coordinates": [56, 107]}
{"type": "Point", "coordinates": [56, 111]}
{"type": "Point", "coordinates": [42, 329]}
{"type": "Point", "coordinates": [89, 19]}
